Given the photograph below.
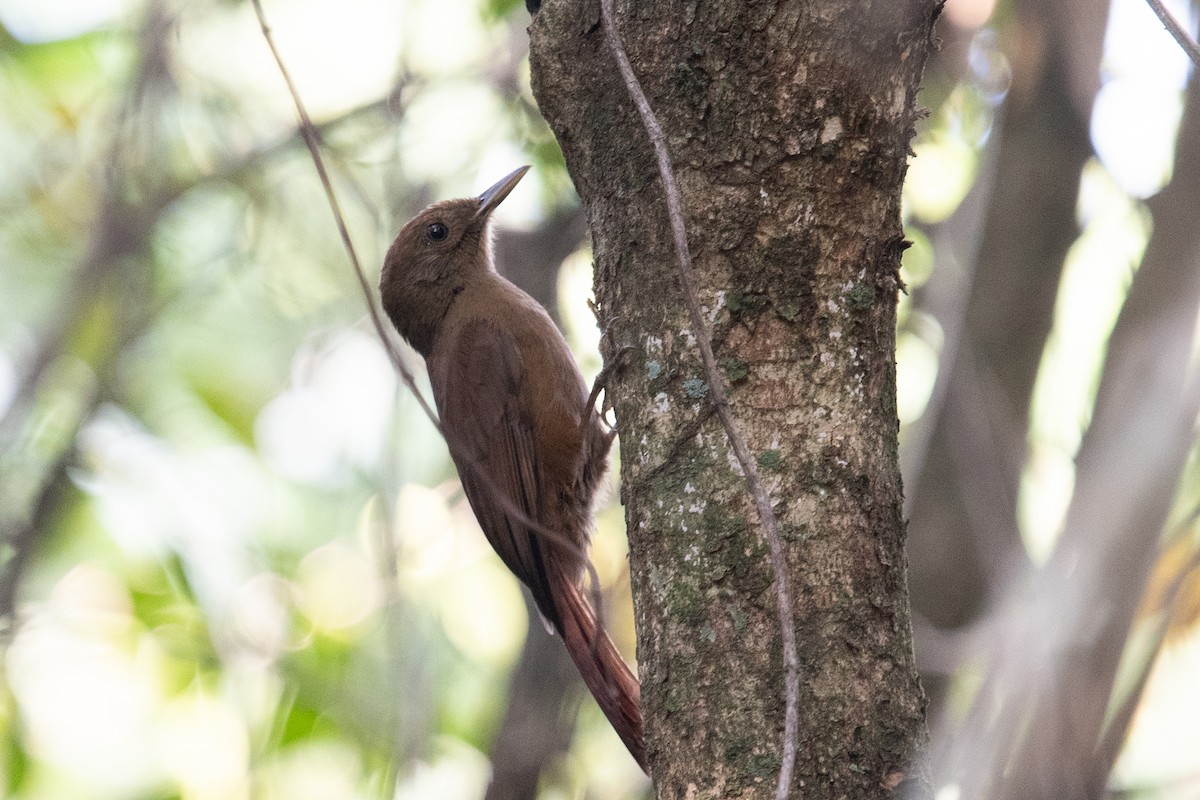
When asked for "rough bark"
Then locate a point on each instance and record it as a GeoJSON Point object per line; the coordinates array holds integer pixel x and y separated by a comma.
{"type": "Point", "coordinates": [789, 125]}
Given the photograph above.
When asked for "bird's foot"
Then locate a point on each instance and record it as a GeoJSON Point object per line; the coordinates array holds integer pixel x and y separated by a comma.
{"type": "Point", "coordinates": [601, 385]}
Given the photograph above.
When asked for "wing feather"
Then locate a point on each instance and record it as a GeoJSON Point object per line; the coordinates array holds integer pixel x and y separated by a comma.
{"type": "Point", "coordinates": [480, 387]}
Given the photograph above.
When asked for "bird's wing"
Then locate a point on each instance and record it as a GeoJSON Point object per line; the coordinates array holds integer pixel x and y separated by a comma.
{"type": "Point", "coordinates": [479, 389]}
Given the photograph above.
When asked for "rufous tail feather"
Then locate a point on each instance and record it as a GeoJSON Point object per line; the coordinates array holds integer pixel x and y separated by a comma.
{"type": "Point", "coordinates": [606, 674]}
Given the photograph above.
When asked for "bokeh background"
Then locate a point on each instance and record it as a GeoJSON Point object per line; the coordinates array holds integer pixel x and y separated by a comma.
{"type": "Point", "coordinates": [236, 560]}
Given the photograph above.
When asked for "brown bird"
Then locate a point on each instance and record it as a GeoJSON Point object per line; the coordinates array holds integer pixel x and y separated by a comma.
{"type": "Point", "coordinates": [529, 447]}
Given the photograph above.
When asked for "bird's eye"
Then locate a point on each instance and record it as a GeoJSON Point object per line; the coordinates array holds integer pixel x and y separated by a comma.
{"type": "Point", "coordinates": [437, 232]}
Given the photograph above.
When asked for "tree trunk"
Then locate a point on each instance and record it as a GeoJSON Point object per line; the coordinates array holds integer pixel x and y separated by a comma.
{"type": "Point", "coordinates": [789, 125]}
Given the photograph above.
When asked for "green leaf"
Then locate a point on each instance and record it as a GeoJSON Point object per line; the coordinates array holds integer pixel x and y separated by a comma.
{"type": "Point", "coordinates": [16, 763]}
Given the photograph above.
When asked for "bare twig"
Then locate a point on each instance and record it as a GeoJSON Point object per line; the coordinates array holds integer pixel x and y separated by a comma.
{"type": "Point", "coordinates": [720, 400]}
{"type": "Point", "coordinates": [1177, 31]}
{"type": "Point", "coordinates": [309, 132]}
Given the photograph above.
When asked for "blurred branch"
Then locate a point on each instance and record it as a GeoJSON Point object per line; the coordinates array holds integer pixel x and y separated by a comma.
{"type": "Point", "coordinates": [536, 728]}
{"type": "Point", "coordinates": [137, 315]}
{"type": "Point", "coordinates": [25, 538]}
{"type": "Point", "coordinates": [956, 244]}
{"type": "Point", "coordinates": [964, 458]}
{"type": "Point", "coordinates": [531, 259]}
{"type": "Point", "coordinates": [1177, 31]}
{"type": "Point", "coordinates": [244, 163]}
{"type": "Point", "coordinates": [119, 228]}
{"type": "Point", "coordinates": [120, 234]}
{"type": "Point", "coordinates": [1036, 727]}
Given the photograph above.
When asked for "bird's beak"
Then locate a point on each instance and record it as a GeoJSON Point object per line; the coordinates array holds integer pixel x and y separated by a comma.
{"type": "Point", "coordinates": [493, 196]}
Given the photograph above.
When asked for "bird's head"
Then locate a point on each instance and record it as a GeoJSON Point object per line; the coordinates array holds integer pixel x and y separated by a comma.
{"type": "Point", "coordinates": [434, 255]}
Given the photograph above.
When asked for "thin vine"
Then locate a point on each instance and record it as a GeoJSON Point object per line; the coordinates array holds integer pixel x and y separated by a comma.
{"type": "Point", "coordinates": [1176, 30]}
{"type": "Point", "coordinates": [720, 401]}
